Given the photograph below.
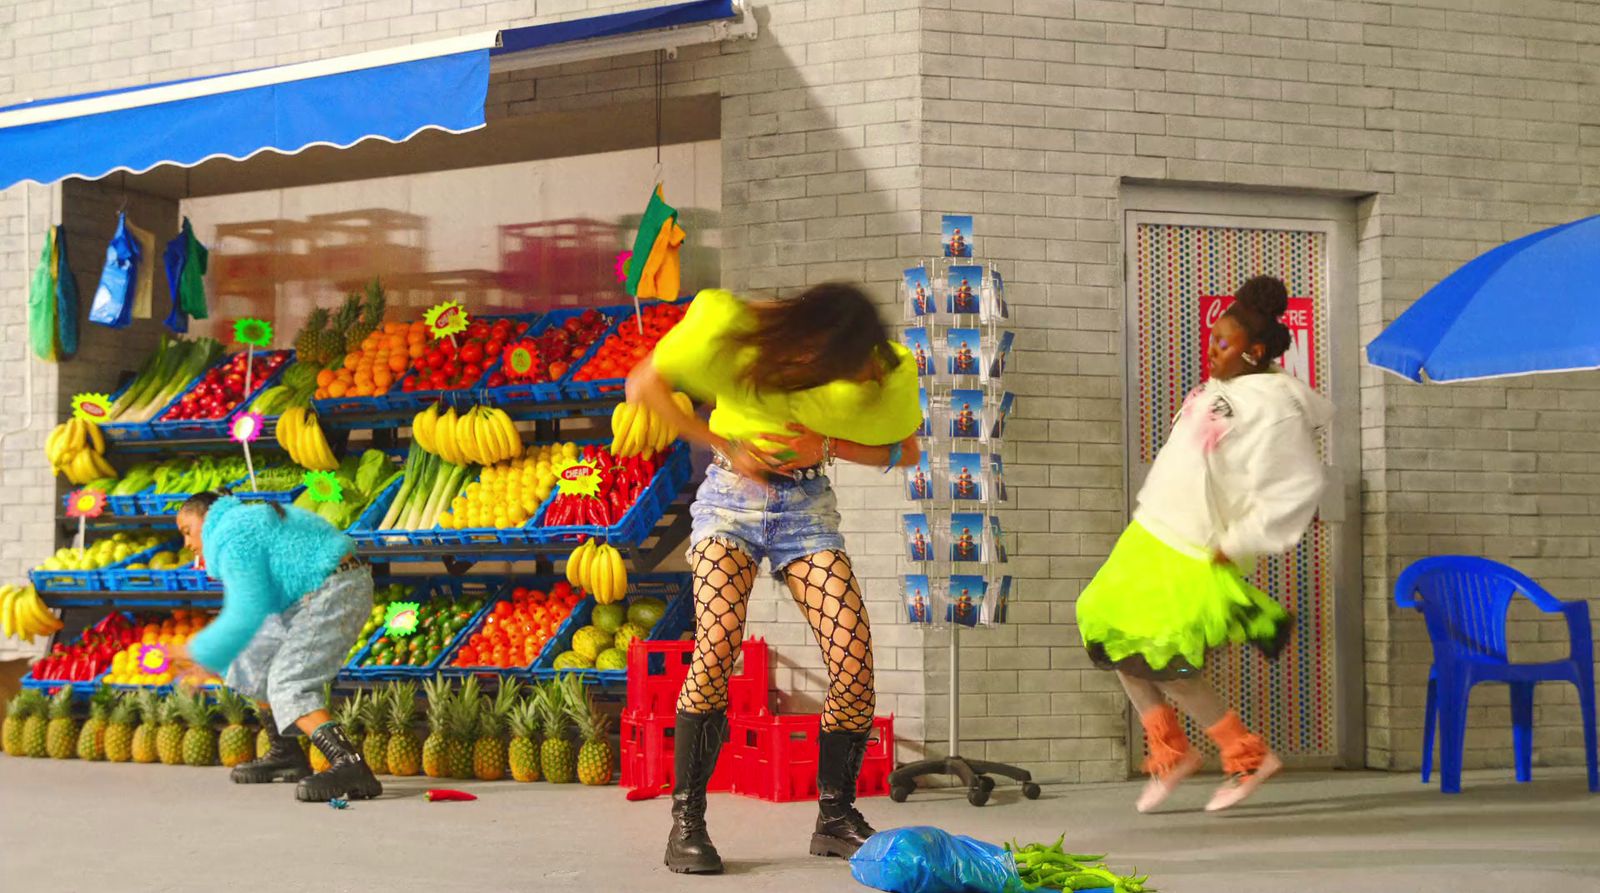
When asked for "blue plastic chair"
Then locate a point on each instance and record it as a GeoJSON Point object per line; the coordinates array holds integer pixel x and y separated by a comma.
{"type": "Point", "coordinates": [1463, 601]}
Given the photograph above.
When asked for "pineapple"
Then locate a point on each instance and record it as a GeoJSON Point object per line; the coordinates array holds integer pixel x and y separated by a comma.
{"type": "Point", "coordinates": [372, 311]}
{"type": "Point", "coordinates": [23, 707]}
{"type": "Point", "coordinates": [405, 754]}
{"type": "Point", "coordinates": [169, 734]}
{"type": "Point", "coordinates": [33, 730]}
{"type": "Point", "coordinates": [263, 737]}
{"type": "Point", "coordinates": [144, 734]}
{"type": "Point", "coordinates": [375, 747]}
{"type": "Point", "coordinates": [92, 737]}
{"type": "Point", "coordinates": [337, 340]}
{"type": "Point", "coordinates": [119, 729]}
{"type": "Point", "coordinates": [235, 746]}
{"type": "Point", "coordinates": [200, 739]}
{"type": "Point", "coordinates": [439, 710]}
{"type": "Point", "coordinates": [594, 757]}
{"type": "Point", "coordinates": [489, 751]}
{"type": "Point", "coordinates": [556, 758]}
{"type": "Point", "coordinates": [308, 344]}
{"type": "Point", "coordinates": [523, 753]}
{"type": "Point", "coordinates": [61, 736]}
{"type": "Point", "coordinates": [462, 729]}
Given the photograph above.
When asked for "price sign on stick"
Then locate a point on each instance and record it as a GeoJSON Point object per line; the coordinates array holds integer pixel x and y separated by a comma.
{"type": "Point", "coordinates": [92, 408]}
{"type": "Point", "coordinates": [244, 428]}
{"type": "Point", "coordinates": [446, 319]}
{"type": "Point", "coordinates": [323, 486]}
{"type": "Point", "coordinates": [252, 333]}
{"type": "Point", "coordinates": [83, 505]}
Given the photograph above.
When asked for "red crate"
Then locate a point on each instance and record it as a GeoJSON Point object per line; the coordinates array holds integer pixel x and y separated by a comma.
{"type": "Point", "coordinates": [647, 744]}
{"type": "Point", "coordinates": [775, 757]}
{"type": "Point", "coordinates": [656, 671]}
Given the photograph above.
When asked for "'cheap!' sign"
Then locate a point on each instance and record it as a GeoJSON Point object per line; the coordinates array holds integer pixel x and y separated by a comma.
{"type": "Point", "coordinates": [1299, 360]}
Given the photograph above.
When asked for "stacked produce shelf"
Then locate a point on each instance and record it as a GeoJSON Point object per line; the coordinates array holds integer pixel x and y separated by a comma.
{"type": "Point", "coordinates": [182, 403]}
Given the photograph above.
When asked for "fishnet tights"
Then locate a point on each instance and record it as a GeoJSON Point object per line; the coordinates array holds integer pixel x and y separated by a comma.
{"type": "Point", "coordinates": [825, 588]}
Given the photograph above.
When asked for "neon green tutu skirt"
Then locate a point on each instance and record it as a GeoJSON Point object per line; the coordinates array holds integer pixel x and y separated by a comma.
{"type": "Point", "coordinates": [1154, 610]}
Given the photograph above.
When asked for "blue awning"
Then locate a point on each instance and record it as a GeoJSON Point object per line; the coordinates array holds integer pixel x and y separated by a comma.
{"type": "Point", "coordinates": [516, 40]}
{"type": "Point", "coordinates": [390, 95]}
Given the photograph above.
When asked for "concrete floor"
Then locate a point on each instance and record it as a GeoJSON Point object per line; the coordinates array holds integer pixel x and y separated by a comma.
{"type": "Point", "coordinates": [69, 826]}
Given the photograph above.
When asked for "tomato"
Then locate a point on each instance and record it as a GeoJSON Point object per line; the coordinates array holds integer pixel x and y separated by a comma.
{"type": "Point", "coordinates": [472, 352]}
{"type": "Point", "coordinates": [438, 380]}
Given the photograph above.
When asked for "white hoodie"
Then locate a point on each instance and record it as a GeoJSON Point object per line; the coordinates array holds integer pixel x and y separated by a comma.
{"type": "Point", "coordinates": [1240, 471]}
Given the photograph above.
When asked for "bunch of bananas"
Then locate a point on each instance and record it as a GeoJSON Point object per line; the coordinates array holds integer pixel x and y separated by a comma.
{"type": "Point", "coordinates": [636, 429]}
{"type": "Point", "coordinates": [301, 437]}
{"type": "Point", "coordinates": [23, 614]}
{"type": "Point", "coordinates": [480, 436]}
{"type": "Point", "coordinates": [77, 449]}
{"type": "Point", "coordinates": [598, 570]}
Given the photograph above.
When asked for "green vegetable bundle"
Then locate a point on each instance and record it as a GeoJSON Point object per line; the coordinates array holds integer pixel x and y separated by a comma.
{"type": "Point", "coordinates": [361, 479]}
{"type": "Point", "coordinates": [1052, 868]}
{"type": "Point", "coordinates": [174, 366]}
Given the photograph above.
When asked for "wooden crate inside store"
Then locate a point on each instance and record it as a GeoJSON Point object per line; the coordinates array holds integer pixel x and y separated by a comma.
{"type": "Point", "coordinates": [478, 290]}
{"type": "Point", "coordinates": [249, 259]}
{"type": "Point", "coordinates": [560, 263]}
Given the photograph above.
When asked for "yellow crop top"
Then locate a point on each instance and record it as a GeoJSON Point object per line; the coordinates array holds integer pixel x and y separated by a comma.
{"type": "Point", "coordinates": [696, 358]}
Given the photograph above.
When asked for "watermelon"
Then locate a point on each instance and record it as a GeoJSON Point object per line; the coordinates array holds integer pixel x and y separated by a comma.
{"type": "Point", "coordinates": [609, 617]}
{"type": "Point", "coordinates": [611, 659]}
{"type": "Point", "coordinates": [646, 612]}
{"type": "Point", "coordinates": [572, 660]}
{"type": "Point", "coordinates": [627, 634]}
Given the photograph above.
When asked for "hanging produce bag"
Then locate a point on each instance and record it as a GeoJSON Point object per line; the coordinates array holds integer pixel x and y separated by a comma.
{"type": "Point", "coordinates": [929, 860]}
{"type": "Point", "coordinates": [66, 299]}
{"type": "Point", "coordinates": [113, 300]}
{"type": "Point", "coordinates": [186, 261]}
{"type": "Point", "coordinates": [42, 302]}
{"type": "Point", "coordinates": [144, 295]}
{"type": "Point", "coordinates": [653, 270]}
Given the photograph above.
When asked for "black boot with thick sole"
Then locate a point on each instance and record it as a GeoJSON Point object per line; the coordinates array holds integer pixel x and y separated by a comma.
{"type": "Point", "coordinates": [697, 741]}
{"type": "Point", "coordinates": [347, 777]}
{"type": "Point", "coordinates": [283, 761]}
{"type": "Point", "coordinates": [841, 830]}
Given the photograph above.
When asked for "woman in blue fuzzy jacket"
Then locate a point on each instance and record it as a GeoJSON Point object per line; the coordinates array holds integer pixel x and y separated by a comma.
{"type": "Point", "coordinates": [294, 597]}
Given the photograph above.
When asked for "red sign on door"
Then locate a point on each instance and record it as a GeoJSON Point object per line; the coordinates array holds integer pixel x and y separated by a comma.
{"type": "Point", "coordinates": [1301, 358]}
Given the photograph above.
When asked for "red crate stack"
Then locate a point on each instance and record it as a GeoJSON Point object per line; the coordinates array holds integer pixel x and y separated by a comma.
{"type": "Point", "coordinates": [775, 757]}
{"type": "Point", "coordinates": [656, 671]}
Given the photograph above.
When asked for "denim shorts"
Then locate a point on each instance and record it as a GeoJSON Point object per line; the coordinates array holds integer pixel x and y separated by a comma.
{"type": "Point", "coordinates": [782, 521]}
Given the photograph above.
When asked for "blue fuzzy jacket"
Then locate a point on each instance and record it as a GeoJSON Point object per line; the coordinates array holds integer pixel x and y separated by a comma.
{"type": "Point", "coordinates": [266, 563]}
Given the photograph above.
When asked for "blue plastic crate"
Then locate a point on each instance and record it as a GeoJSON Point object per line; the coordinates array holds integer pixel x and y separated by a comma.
{"type": "Point", "coordinates": [606, 387]}
{"type": "Point", "coordinates": [549, 391]}
{"type": "Point", "coordinates": [81, 688]}
{"type": "Point", "coordinates": [641, 517]}
{"type": "Point", "coordinates": [523, 672]}
{"type": "Point", "coordinates": [674, 589]}
{"type": "Point", "coordinates": [216, 427]}
{"type": "Point", "coordinates": [335, 406]}
{"type": "Point", "coordinates": [419, 400]}
{"type": "Point", "coordinates": [65, 581]}
{"type": "Point", "coordinates": [454, 588]}
{"type": "Point", "coordinates": [126, 432]}
{"type": "Point", "coordinates": [115, 505]}
{"type": "Point", "coordinates": [117, 577]}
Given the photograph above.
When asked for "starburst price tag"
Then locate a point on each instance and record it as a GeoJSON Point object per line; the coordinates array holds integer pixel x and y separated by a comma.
{"type": "Point", "coordinates": [323, 486]}
{"type": "Point", "coordinates": [400, 619]}
{"type": "Point", "coordinates": [622, 265]}
{"type": "Point", "coordinates": [253, 332]}
{"type": "Point", "coordinates": [92, 408]}
{"type": "Point", "coordinates": [85, 504]}
{"type": "Point", "coordinates": [153, 660]}
{"type": "Point", "coordinates": [446, 319]}
{"type": "Point", "coordinates": [520, 359]}
{"type": "Point", "coordinates": [246, 427]}
{"type": "Point", "coordinates": [578, 478]}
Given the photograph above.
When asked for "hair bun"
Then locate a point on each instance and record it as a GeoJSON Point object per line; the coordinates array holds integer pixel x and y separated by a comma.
{"type": "Point", "coordinates": [1266, 295]}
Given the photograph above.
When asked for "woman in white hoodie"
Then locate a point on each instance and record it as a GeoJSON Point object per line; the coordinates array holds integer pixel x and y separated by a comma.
{"type": "Point", "coordinates": [1239, 477]}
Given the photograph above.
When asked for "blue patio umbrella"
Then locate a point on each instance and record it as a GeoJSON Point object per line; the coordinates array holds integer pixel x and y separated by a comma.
{"type": "Point", "coordinates": [1532, 305]}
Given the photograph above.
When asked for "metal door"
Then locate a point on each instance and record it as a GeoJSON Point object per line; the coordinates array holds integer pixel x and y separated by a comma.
{"type": "Point", "coordinates": [1180, 270]}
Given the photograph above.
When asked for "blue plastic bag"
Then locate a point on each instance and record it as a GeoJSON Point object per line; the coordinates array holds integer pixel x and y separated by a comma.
{"type": "Point", "coordinates": [113, 300]}
{"type": "Point", "coordinates": [929, 860]}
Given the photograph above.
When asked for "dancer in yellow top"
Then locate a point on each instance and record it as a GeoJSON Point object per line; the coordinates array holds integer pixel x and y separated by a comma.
{"type": "Point", "coordinates": [797, 383]}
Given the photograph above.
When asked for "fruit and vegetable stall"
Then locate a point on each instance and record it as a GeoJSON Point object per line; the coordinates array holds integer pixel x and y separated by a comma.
{"type": "Point", "coordinates": [507, 597]}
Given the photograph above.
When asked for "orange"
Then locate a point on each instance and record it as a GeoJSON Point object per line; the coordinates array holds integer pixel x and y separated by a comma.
{"type": "Point", "coordinates": [337, 389]}
{"type": "Point", "coordinates": [324, 378]}
{"type": "Point", "coordinates": [397, 362]}
{"type": "Point", "coordinates": [382, 379]}
{"type": "Point", "coordinates": [417, 349]}
{"type": "Point", "coordinates": [351, 359]}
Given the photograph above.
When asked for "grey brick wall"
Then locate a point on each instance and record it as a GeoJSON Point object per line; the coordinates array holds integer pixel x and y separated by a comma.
{"type": "Point", "coordinates": [851, 125]}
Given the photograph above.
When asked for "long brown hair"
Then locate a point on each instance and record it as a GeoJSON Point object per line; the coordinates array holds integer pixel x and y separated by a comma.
{"type": "Point", "coordinates": [829, 332]}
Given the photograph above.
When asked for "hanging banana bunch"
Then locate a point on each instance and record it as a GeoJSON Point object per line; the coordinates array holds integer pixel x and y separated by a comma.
{"type": "Point", "coordinates": [77, 448]}
{"type": "Point", "coordinates": [482, 435]}
{"type": "Point", "coordinates": [637, 429]}
{"type": "Point", "coordinates": [598, 570]}
{"type": "Point", "coordinates": [300, 435]}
